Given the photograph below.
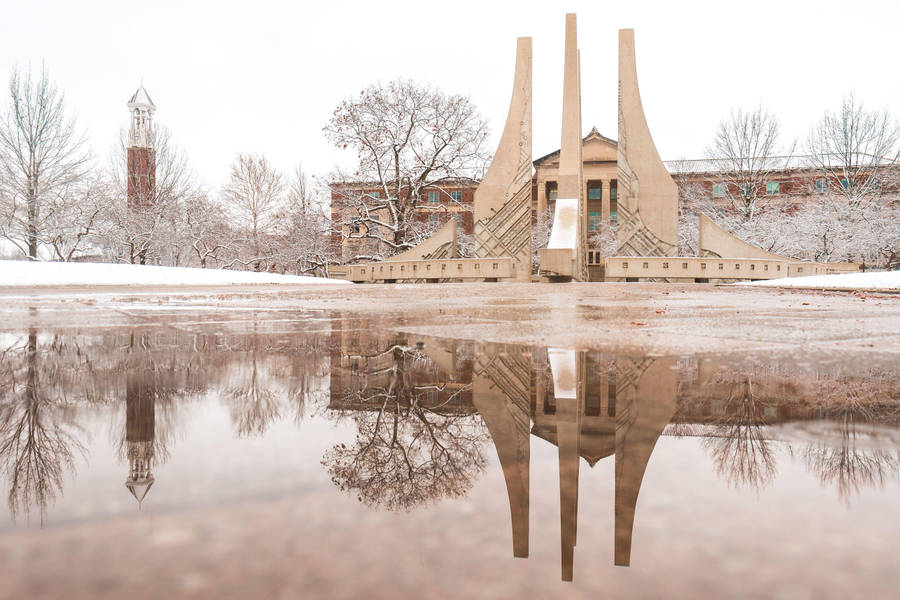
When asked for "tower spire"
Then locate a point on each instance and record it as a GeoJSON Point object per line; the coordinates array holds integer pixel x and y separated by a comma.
{"type": "Point", "coordinates": [142, 108]}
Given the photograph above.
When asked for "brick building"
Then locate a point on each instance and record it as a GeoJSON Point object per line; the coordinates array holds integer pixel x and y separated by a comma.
{"type": "Point", "coordinates": [792, 178]}
{"type": "Point", "coordinates": [435, 206]}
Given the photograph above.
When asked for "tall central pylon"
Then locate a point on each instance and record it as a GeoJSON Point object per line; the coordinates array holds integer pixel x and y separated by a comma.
{"type": "Point", "coordinates": [565, 257]}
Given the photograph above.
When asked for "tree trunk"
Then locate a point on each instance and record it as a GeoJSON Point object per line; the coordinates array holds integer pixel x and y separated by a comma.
{"type": "Point", "coordinates": [32, 221]}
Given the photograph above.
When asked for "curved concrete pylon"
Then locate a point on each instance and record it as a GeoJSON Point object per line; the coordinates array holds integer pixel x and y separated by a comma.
{"type": "Point", "coordinates": [649, 394]}
{"type": "Point", "coordinates": [647, 194]}
{"type": "Point", "coordinates": [503, 198]}
{"type": "Point", "coordinates": [502, 398]}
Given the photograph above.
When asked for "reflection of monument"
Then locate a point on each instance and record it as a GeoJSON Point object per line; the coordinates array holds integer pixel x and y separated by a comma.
{"type": "Point", "coordinates": [590, 407]}
{"type": "Point", "coordinates": [140, 434]}
{"type": "Point", "coordinates": [621, 407]}
{"type": "Point", "coordinates": [589, 404]}
{"type": "Point", "coordinates": [500, 392]}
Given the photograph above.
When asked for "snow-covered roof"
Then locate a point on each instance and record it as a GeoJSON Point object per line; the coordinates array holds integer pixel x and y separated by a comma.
{"type": "Point", "coordinates": [141, 98]}
{"type": "Point", "coordinates": [776, 163]}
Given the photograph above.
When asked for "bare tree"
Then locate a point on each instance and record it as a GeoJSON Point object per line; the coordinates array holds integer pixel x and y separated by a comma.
{"type": "Point", "coordinates": [255, 196]}
{"type": "Point", "coordinates": [301, 194]}
{"type": "Point", "coordinates": [854, 150]}
{"type": "Point", "coordinates": [42, 158]}
{"type": "Point", "coordinates": [302, 242]}
{"type": "Point", "coordinates": [208, 234]}
{"type": "Point", "coordinates": [540, 236]}
{"type": "Point", "coordinates": [745, 154]}
{"type": "Point", "coordinates": [407, 138]}
{"type": "Point", "coordinates": [74, 218]}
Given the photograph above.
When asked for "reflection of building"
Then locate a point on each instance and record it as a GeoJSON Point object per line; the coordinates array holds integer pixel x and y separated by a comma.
{"type": "Point", "coordinates": [140, 434]}
{"type": "Point", "coordinates": [364, 366]}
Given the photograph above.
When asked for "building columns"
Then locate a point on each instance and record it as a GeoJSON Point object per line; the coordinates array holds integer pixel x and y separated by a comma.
{"type": "Point", "coordinates": [605, 199]}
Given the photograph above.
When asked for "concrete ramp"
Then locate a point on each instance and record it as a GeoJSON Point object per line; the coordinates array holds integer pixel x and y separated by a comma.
{"type": "Point", "coordinates": [440, 244]}
{"type": "Point", "coordinates": [712, 240]}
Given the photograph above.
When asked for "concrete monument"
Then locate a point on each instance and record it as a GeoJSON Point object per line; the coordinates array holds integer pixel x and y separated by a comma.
{"type": "Point", "coordinates": [647, 195]}
{"type": "Point", "coordinates": [566, 256]}
{"type": "Point", "coordinates": [503, 198]}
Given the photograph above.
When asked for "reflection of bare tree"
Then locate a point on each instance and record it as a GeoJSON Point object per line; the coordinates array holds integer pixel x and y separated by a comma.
{"type": "Point", "coordinates": [738, 444]}
{"type": "Point", "coordinates": [274, 381]}
{"type": "Point", "coordinates": [411, 446]}
{"type": "Point", "coordinates": [254, 406]}
{"type": "Point", "coordinates": [36, 448]}
{"type": "Point", "coordinates": [842, 460]}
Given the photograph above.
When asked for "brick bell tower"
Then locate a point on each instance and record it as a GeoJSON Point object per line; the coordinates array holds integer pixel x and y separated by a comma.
{"type": "Point", "coordinates": [141, 151]}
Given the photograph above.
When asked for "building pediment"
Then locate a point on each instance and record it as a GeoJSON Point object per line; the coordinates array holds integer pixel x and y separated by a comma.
{"type": "Point", "coordinates": [595, 148]}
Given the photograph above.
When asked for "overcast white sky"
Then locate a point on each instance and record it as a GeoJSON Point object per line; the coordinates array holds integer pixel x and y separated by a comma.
{"type": "Point", "coordinates": [264, 76]}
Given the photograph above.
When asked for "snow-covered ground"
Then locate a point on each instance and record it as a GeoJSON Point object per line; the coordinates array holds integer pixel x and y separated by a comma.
{"type": "Point", "coordinates": [16, 273]}
{"type": "Point", "coordinates": [873, 280]}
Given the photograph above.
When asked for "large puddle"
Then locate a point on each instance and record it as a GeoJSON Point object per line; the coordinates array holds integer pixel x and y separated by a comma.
{"type": "Point", "coordinates": [328, 455]}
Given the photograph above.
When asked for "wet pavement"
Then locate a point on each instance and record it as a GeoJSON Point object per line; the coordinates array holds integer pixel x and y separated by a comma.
{"type": "Point", "coordinates": [233, 451]}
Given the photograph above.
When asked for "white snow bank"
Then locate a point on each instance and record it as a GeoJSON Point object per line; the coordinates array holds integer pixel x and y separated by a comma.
{"type": "Point", "coordinates": [873, 280]}
{"type": "Point", "coordinates": [565, 221]}
{"type": "Point", "coordinates": [21, 273]}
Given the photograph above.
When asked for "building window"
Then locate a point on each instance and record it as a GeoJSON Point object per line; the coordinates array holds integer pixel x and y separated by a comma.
{"type": "Point", "coordinates": [718, 190]}
{"type": "Point", "coordinates": [375, 194]}
{"type": "Point", "coordinates": [433, 220]}
{"type": "Point", "coordinates": [552, 192]}
{"type": "Point", "coordinates": [772, 188]}
{"type": "Point", "coordinates": [595, 220]}
{"type": "Point", "coordinates": [434, 196]}
{"type": "Point", "coordinates": [845, 183]}
{"type": "Point", "coordinates": [821, 185]}
{"type": "Point", "coordinates": [458, 218]}
{"type": "Point", "coordinates": [456, 196]}
{"type": "Point", "coordinates": [613, 189]}
{"type": "Point", "coordinates": [595, 190]}
{"type": "Point", "coordinates": [354, 227]}
{"type": "Point", "coordinates": [745, 190]}
{"type": "Point", "coordinates": [613, 210]}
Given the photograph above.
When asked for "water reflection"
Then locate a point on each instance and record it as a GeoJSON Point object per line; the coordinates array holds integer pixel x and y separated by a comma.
{"type": "Point", "coordinates": [424, 414]}
{"type": "Point", "coordinates": [418, 437]}
{"type": "Point", "coordinates": [37, 444]}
